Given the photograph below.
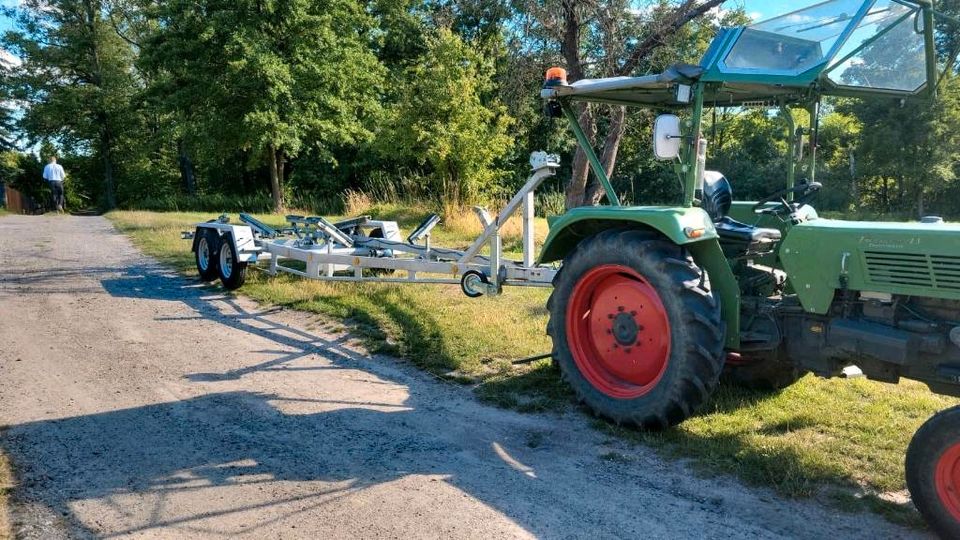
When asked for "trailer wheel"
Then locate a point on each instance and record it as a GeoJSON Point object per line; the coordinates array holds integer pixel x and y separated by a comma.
{"type": "Point", "coordinates": [207, 254]}
{"type": "Point", "coordinates": [933, 472]}
{"type": "Point", "coordinates": [232, 272]}
{"type": "Point", "coordinates": [635, 330]}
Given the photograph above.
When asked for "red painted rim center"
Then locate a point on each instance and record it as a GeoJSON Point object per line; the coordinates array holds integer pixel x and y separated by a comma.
{"type": "Point", "coordinates": [947, 480]}
{"type": "Point", "coordinates": [618, 331]}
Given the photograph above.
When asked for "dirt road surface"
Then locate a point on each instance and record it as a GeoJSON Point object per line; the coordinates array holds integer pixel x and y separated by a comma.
{"type": "Point", "coordinates": [139, 404]}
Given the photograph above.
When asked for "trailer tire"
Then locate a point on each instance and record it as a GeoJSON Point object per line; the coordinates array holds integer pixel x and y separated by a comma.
{"type": "Point", "coordinates": [233, 273]}
{"type": "Point", "coordinates": [933, 472]}
{"type": "Point", "coordinates": [636, 331]}
{"type": "Point", "coordinates": [207, 253]}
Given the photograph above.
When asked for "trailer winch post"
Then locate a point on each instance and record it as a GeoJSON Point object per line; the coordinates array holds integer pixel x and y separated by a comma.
{"type": "Point", "coordinates": [544, 166]}
{"type": "Point", "coordinates": [528, 229]}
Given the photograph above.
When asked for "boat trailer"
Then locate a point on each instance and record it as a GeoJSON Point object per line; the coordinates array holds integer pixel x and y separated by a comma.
{"type": "Point", "coordinates": [364, 249]}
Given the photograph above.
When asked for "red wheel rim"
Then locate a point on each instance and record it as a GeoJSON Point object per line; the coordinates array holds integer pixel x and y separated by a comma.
{"type": "Point", "coordinates": [618, 331]}
{"type": "Point", "coordinates": [947, 480]}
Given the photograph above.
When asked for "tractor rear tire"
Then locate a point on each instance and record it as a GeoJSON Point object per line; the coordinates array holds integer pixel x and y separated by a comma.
{"type": "Point", "coordinates": [207, 253]}
{"type": "Point", "coordinates": [233, 273]}
{"type": "Point", "coordinates": [763, 375]}
{"type": "Point", "coordinates": [933, 472]}
{"type": "Point", "coordinates": [636, 331]}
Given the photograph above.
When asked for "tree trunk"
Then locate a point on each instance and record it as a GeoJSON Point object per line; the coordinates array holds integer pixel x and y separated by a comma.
{"type": "Point", "coordinates": [901, 192]}
{"type": "Point", "coordinates": [885, 194]}
{"type": "Point", "coordinates": [576, 188]}
{"type": "Point", "coordinates": [187, 176]}
{"type": "Point", "coordinates": [275, 170]}
{"type": "Point", "coordinates": [109, 186]}
{"type": "Point", "coordinates": [854, 184]}
{"type": "Point", "coordinates": [921, 211]}
{"type": "Point", "coordinates": [611, 147]}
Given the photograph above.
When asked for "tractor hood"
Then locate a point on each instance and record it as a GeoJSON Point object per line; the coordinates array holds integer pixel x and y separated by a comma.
{"type": "Point", "coordinates": [824, 255]}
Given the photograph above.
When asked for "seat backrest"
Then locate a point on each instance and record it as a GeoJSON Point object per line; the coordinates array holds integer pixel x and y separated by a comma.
{"type": "Point", "coordinates": [717, 194]}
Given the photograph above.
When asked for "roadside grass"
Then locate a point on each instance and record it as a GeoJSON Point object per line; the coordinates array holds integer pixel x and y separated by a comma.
{"type": "Point", "coordinates": [6, 486]}
{"type": "Point", "coordinates": [840, 441]}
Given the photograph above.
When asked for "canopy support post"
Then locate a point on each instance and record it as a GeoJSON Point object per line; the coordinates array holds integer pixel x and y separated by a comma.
{"type": "Point", "coordinates": [587, 147]}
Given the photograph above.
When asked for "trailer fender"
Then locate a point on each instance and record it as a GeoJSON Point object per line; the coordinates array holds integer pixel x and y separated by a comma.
{"type": "Point", "coordinates": [688, 227]}
{"type": "Point", "coordinates": [241, 235]}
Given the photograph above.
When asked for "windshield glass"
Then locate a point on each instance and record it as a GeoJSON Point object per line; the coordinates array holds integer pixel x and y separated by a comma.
{"type": "Point", "coordinates": [886, 51]}
{"type": "Point", "coordinates": [794, 42]}
{"type": "Point", "coordinates": [804, 39]}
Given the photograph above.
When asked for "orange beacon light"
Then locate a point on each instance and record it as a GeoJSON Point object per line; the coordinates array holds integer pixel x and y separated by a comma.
{"type": "Point", "coordinates": [556, 76]}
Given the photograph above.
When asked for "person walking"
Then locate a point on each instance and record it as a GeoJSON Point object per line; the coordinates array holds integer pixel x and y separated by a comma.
{"type": "Point", "coordinates": [55, 175]}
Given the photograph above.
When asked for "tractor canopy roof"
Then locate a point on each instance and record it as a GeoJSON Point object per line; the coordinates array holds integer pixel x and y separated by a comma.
{"type": "Point", "coordinates": [836, 47]}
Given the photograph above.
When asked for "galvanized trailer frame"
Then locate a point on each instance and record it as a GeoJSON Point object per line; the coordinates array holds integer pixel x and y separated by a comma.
{"type": "Point", "coordinates": [368, 250]}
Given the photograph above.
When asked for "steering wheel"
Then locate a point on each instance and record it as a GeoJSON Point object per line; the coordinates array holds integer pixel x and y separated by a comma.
{"type": "Point", "coordinates": [806, 192]}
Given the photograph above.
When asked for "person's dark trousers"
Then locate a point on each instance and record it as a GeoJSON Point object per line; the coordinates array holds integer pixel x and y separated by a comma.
{"type": "Point", "coordinates": [59, 201]}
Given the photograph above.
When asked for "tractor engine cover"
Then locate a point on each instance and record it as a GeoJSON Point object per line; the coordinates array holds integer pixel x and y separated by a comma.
{"type": "Point", "coordinates": [823, 256]}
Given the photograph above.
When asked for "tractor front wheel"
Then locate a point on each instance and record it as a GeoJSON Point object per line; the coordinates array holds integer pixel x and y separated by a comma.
{"type": "Point", "coordinates": [635, 329]}
{"type": "Point", "coordinates": [933, 472]}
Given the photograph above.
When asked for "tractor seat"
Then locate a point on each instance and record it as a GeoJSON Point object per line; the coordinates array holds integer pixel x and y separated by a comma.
{"type": "Point", "coordinates": [733, 230]}
{"type": "Point", "coordinates": [737, 239]}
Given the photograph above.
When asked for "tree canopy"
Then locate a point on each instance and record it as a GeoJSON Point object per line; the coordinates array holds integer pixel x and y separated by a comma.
{"type": "Point", "coordinates": [236, 104]}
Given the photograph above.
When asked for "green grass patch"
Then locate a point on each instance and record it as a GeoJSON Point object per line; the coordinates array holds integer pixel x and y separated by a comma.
{"type": "Point", "coordinates": [6, 487]}
{"type": "Point", "coordinates": [840, 441]}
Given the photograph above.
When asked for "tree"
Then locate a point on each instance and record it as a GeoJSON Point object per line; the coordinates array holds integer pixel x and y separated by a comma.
{"type": "Point", "coordinates": [440, 121]}
{"type": "Point", "coordinates": [907, 151]}
{"type": "Point", "coordinates": [596, 39]}
{"type": "Point", "coordinates": [269, 76]}
{"type": "Point", "coordinates": [7, 120]}
{"type": "Point", "coordinates": [76, 75]}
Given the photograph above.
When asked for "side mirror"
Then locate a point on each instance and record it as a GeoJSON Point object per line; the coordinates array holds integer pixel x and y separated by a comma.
{"type": "Point", "coordinates": [666, 137]}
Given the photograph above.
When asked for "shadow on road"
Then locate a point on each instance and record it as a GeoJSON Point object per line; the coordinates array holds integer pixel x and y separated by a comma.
{"type": "Point", "coordinates": [234, 456]}
{"type": "Point", "coordinates": [179, 450]}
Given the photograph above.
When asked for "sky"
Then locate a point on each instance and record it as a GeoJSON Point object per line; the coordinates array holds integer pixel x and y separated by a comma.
{"type": "Point", "coordinates": [764, 9]}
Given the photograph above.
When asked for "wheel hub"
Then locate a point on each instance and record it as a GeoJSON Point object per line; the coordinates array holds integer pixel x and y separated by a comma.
{"type": "Point", "coordinates": [203, 252]}
{"type": "Point", "coordinates": [226, 261]}
{"type": "Point", "coordinates": [618, 331]}
{"type": "Point", "coordinates": [947, 480]}
{"type": "Point", "coordinates": [625, 328]}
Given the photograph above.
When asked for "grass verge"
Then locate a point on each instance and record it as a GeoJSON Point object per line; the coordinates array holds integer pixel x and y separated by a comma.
{"type": "Point", "coordinates": [841, 441]}
{"type": "Point", "coordinates": [6, 486]}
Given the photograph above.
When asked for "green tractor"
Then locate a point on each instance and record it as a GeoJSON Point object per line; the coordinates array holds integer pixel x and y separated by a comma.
{"type": "Point", "coordinates": [653, 303]}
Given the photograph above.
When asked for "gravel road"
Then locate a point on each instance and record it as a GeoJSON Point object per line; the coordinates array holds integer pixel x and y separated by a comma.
{"type": "Point", "coordinates": [139, 404]}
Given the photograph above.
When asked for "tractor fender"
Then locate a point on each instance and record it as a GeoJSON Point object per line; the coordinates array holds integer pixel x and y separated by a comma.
{"type": "Point", "coordinates": [681, 226]}
{"type": "Point", "coordinates": [688, 227]}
